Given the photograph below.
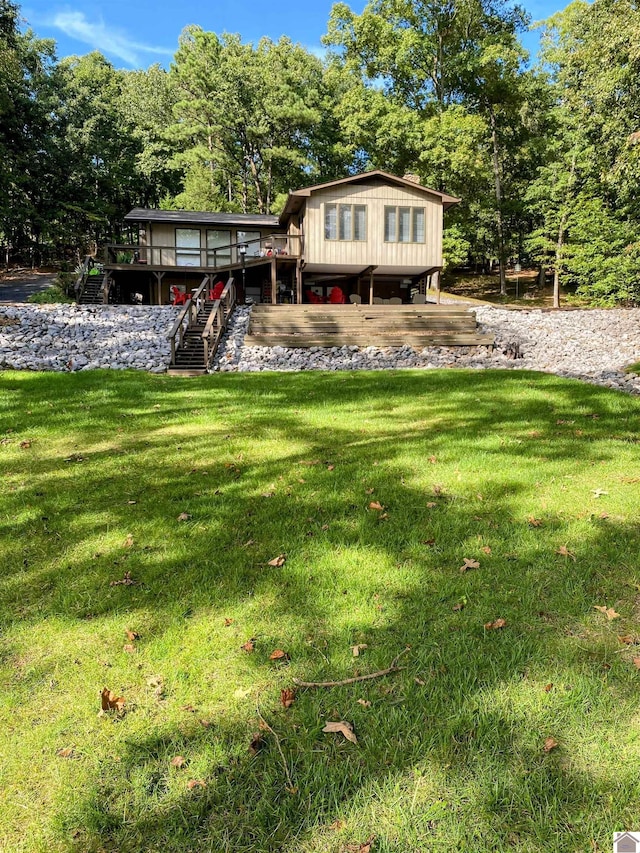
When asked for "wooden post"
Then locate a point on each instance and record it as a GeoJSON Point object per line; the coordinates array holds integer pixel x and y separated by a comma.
{"type": "Point", "coordinates": [274, 277]}
{"type": "Point", "coordinates": [298, 282]}
{"type": "Point", "coordinates": [436, 280]}
{"type": "Point", "coordinates": [371, 288]}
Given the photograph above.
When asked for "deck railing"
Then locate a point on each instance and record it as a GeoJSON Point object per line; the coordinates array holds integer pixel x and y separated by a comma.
{"type": "Point", "coordinates": [272, 245]}
{"type": "Point", "coordinates": [218, 320]}
{"type": "Point", "coordinates": [187, 317]}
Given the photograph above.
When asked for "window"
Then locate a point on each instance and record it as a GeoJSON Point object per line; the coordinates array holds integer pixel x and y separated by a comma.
{"type": "Point", "coordinates": [218, 240]}
{"type": "Point", "coordinates": [331, 222]}
{"type": "Point", "coordinates": [345, 222]}
{"type": "Point", "coordinates": [187, 247]}
{"type": "Point", "coordinates": [404, 225]}
{"type": "Point", "coordinates": [417, 228]}
{"type": "Point", "coordinates": [252, 239]}
{"type": "Point", "coordinates": [359, 222]}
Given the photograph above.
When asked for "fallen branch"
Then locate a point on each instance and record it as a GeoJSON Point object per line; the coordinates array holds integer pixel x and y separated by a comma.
{"type": "Point", "coordinates": [393, 668]}
{"type": "Point", "coordinates": [348, 680]}
{"type": "Point", "coordinates": [291, 788]}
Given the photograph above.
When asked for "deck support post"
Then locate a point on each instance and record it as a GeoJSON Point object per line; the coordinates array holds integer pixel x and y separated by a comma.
{"type": "Point", "coordinates": [436, 282]}
{"type": "Point", "coordinates": [371, 288]}
{"type": "Point", "coordinates": [274, 278]}
{"type": "Point", "coordinates": [159, 276]}
{"type": "Point", "coordinates": [299, 282]}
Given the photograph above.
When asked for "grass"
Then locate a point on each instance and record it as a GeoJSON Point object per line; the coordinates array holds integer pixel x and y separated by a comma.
{"type": "Point", "coordinates": [506, 468]}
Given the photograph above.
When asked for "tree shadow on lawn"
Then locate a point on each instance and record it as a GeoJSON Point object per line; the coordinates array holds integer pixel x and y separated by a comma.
{"type": "Point", "coordinates": [469, 714]}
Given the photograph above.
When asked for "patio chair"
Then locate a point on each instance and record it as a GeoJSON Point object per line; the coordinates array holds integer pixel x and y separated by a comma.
{"type": "Point", "coordinates": [395, 300]}
{"type": "Point", "coordinates": [215, 292]}
{"type": "Point", "coordinates": [419, 299]}
{"type": "Point", "coordinates": [337, 297]}
{"type": "Point", "coordinates": [377, 300]}
{"type": "Point", "coordinates": [355, 299]}
{"type": "Point", "coordinates": [179, 297]}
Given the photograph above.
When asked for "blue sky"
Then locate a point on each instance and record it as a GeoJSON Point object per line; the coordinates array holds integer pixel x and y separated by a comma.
{"type": "Point", "coordinates": [136, 33]}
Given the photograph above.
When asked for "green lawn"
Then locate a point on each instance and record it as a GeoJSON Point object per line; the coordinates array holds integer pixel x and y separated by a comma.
{"type": "Point", "coordinates": [535, 478]}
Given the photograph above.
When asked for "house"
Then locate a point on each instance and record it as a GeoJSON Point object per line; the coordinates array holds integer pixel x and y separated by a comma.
{"type": "Point", "coordinates": [624, 842]}
{"type": "Point", "coordinates": [375, 236]}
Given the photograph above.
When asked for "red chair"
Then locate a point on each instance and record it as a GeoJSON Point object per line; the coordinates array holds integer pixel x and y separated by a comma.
{"type": "Point", "coordinates": [337, 297]}
{"type": "Point", "coordinates": [179, 298]}
{"type": "Point", "coordinates": [215, 292]}
{"type": "Point", "coordinates": [313, 298]}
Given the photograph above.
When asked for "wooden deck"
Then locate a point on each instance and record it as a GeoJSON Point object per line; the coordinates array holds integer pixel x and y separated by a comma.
{"type": "Point", "coordinates": [364, 325]}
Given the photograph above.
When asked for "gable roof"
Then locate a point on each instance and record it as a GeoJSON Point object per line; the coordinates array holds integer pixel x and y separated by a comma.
{"type": "Point", "coordinates": [201, 217]}
{"type": "Point", "coordinates": [296, 198]}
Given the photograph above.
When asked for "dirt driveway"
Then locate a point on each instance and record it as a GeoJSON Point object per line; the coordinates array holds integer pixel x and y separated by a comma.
{"type": "Point", "coordinates": [19, 285]}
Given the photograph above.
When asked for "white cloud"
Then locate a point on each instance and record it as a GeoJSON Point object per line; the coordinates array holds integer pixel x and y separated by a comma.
{"type": "Point", "coordinates": [104, 38]}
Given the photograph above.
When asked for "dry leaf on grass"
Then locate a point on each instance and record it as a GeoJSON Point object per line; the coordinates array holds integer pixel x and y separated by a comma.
{"type": "Point", "coordinates": [355, 650]}
{"type": "Point", "coordinates": [549, 744]}
{"type": "Point", "coordinates": [129, 648]}
{"type": "Point", "coordinates": [128, 542]}
{"type": "Point", "coordinates": [486, 549]}
{"type": "Point", "coordinates": [178, 761]}
{"type": "Point", "coordinates": [364, 847]}
{"type": "Point", "coordinates": [469, 563]}
{"type": "Point", "coordinates": [376, 505]}
{"type": "Point", "coordinates": [126, 580]}
{"type": "Point", "coordinates": [25, 445]}
{"type": "Point", "coordinates": [184, 516]}
{"type": "Point", "coordinates": [278, 561]}
{"type": "Point", "coordinates": [249, 646]}
{"type": "Point", "coordinates": [228, 622]}
{"type": "Point", "coordinates": [433, 460]}
{"type": "Point", "coordinates": [495, 625]}
{"type": "Point", "coordinates": [341, 727]}
{"type": "Point", "coordinates": [131, 635]}
{"type": "Point", "coordinates": [629, 640]}
{"type": "Point", "coordinates": [279, 654]}
{"type": "Point", "coordinates": [337, 825]}
{"type": "Point", "coordinates": [196, 783]}
{"type": "Point", "coordinates": [563, 551]}
{"type": "Point", "coordinates": [287, 697]}
{"type": "Point", "coordinates": [459, 606]}
{"type": "Point", "coordinates": [364, 702]}
{"type": "Point", "coordinates": [110, 701]}
{"type": "Point", "coordinates": [636, 663]}
{"type": "Point", "coordinates": [67, 752]}
{"type": "Point", "coordinates": [609, 612]}
{"type": "Point", "coordinates": [257, 743]}
{"type": "Point", "coordinates": [548, 687]}
{"type": "Point", "coordinates": [597, 493]}
{"type": "Point", "coordinates": [534, 522]}
{"type": "Point", "coordinates": [431, 504]}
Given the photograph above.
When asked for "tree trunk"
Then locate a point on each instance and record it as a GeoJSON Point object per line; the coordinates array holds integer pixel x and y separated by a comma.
{"type": "Point", "coordinates": [498, 191]}
{"type": "Point", "coordinates": [562, 227]}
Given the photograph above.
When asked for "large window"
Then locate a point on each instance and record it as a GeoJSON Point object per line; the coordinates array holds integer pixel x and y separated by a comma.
{"type": "Point", "coordinates": [219, 240]}
{"type": "Point", "coordinates": [345, 222]}
{"type": "Point", "coordinates": [188, 247]}
{"type": "Point", "coordinates": [404, 225]}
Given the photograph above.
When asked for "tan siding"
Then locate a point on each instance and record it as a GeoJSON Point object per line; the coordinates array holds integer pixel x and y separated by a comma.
{"type": "Point", "coordinates": [373, 250]}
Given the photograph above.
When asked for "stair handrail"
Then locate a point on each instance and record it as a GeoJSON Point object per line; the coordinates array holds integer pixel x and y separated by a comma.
{"type": "Point", "coordinates": [218, 320]}
{"type": "Point", "coordinates": [188, 312]}
{"type": "Point", "coordinates": [81, 279]}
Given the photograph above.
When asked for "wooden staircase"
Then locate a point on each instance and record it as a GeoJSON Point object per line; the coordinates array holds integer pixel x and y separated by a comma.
{"type": "Point", "coordinates": [93, 290]}
{"type": "Point", "coordinates": [364, 325]}
{"type": "Point", "coordinates": [197, 331]}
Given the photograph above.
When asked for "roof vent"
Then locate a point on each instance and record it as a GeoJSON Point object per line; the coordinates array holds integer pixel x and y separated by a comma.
{"type": "Point", "coordinates": [415, 179]}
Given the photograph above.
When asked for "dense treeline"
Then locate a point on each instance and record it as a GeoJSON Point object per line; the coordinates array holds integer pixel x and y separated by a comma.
{"type": "Point", "coordinates": [546, 157]}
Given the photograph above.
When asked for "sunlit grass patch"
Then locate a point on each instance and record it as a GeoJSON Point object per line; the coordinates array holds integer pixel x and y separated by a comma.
{"type": "Point", "coordinates": [157, 506]}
